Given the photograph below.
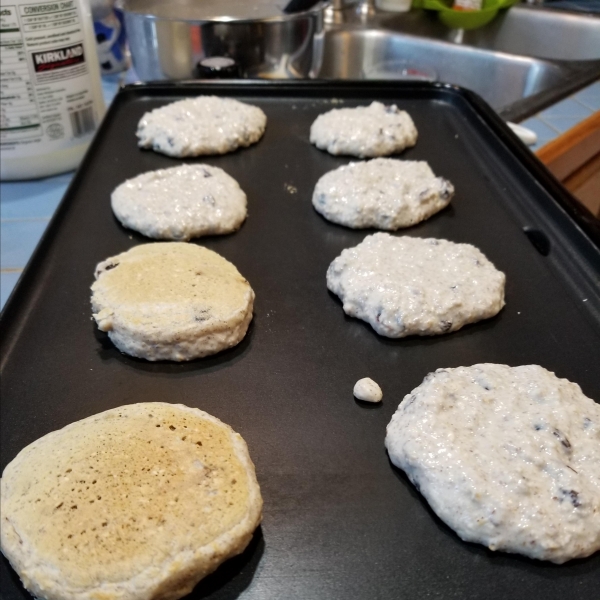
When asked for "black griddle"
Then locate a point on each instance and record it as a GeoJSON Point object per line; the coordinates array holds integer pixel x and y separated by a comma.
{"type": "Point", "coordinates": [339, 520]}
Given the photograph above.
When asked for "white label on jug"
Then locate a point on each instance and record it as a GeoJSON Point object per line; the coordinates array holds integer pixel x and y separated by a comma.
{"type": "Point", "coordinates": [46, 96]}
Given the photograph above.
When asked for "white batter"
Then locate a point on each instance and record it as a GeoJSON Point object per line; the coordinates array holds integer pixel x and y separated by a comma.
{"type": "Point", "coordinates": [414, 286]}
{"type": "Point", "coordinates": [180, 203]}
{"type": "Point", "coordinates": [364, 131]}
{"type": "Point", "coordinates": [385, 193]}
{"type": "Point", "coordinates": [202, 125]}
{"type": "Point", "coordinates": [367, 390]}
{"type": "Point", "coordinates": [507, 457]}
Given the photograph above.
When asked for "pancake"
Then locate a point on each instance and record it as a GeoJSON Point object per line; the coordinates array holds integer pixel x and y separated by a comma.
{"type": "Point", "coordinates": [140, 501]}
{"type": "Point", "coordinates": [506, 456]}
{"type": "Point", "coordinates": [200, 126]}
{"type": "Point", "coordinates": [171, 301]}
{"type": "Point", "coordinates": [364, 131]}
{"type": "Point", "coordinates": [384, 193]}
{"type": "Point", "coordinates": [416, 286]}
{"type": "Point", "coordinates": [180, 203]}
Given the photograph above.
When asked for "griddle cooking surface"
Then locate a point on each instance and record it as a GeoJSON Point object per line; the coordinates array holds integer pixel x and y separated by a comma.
{"type": "Point", "coordinates": [339, 520]}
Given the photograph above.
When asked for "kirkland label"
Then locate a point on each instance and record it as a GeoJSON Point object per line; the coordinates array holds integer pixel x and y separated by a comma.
{"type": "Point", "coordinates": [58, 59]}
{"type": "Point", "coordinates": [46, 94]}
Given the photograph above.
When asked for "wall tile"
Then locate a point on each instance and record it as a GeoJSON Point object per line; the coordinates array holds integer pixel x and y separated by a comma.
{"type": "Point", "coordinates": [8, 280]}
{"type": "Point", "coordinates": [567, 108]}
{"type": "Point", "coordinates": [32, 199]}
{"type": "Point", "coordinates": [18, 240]}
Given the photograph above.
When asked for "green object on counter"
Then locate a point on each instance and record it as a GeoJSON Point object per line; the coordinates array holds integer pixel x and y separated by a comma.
{"type": "Point", "coordinates": [464, 19]}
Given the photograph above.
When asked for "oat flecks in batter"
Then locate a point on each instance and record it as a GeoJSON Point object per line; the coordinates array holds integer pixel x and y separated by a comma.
{"type": "Point", "coordinates": [414, 286]}
{"type": "Point", "coordinates": [364, 131]}
{"type": "Point", "coordinates": [202, 125]}
{"type": "Point", "coordinates": [507, 457]}
{"type": "Point", "coordinates": [180, 203]}
{"type": "Point", "coordinates": [385, 193]}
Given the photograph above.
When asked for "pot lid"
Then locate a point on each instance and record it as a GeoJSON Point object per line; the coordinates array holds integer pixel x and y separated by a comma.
{"type": "Point", "coordinates": [221, 10]}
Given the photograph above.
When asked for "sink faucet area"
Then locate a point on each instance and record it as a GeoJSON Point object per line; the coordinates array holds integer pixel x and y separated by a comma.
{"type": "Point", "coordinates": [527, 58]}
{"type": "Point", "coordinates": [524, 58]}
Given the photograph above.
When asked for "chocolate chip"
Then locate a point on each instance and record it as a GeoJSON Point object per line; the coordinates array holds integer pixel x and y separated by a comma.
{"type": "Point", "coordinates": [424, 194]}
{"type": "Point", "coordinates": [570, 495]}
{"type": "Point", "coordinates": [411, 400]}
{"type": "Point", "coordinates": [447, 190]}
{"type": "Point", "coordinates": [445, 326]}
{"type": "Point", "coordinates": [562, 438]}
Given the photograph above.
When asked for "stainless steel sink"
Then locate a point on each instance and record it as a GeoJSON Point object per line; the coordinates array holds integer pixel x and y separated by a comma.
{"type": "Point", "coordinates": [375, 54]}
{"type": "Point", "coordinates": [522, 30]}
{"type": "Point", "coordinates": [540, 32]}
{"type": "Point", "coordinates": [524, 60]}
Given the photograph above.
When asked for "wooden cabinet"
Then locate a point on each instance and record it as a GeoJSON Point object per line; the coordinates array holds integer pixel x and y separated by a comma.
{"type": "Point", "coordinates": [574, 159]}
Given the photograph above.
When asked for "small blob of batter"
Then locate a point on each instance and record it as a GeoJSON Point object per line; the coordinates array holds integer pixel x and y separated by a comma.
{"type": "Point", "coordinates": [367, 390]}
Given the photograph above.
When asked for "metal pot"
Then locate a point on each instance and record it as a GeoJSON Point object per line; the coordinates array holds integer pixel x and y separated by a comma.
{"type": "Point", "coordinates": [169, 39]}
